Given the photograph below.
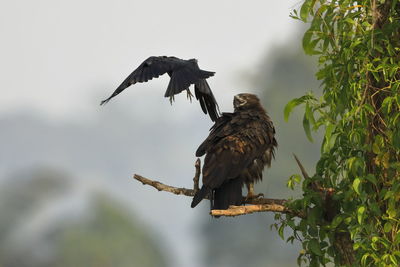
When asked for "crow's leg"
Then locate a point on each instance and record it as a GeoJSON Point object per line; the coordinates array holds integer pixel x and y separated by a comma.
{"type": "Point", "coordinates": [171, 99]}
{"type": "Point", "coordinates": [189, 95]}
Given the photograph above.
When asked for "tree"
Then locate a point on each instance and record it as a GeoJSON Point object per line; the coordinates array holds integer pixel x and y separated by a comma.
{"type": "Point", "coordinates": [351, 202]}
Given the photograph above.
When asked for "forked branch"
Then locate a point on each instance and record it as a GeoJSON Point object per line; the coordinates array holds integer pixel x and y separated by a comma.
{"type": "Point", "coordinates": [257, 204]}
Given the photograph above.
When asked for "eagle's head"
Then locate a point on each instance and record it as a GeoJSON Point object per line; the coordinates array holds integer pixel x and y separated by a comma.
{"type": "Point", "coordinates": [246, 101]}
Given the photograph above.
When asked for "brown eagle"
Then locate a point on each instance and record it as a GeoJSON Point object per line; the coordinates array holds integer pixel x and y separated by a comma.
{"type": "Point", "coordinates": [183, 73]}
{"type": "Point", "coordinates": [239, 146]}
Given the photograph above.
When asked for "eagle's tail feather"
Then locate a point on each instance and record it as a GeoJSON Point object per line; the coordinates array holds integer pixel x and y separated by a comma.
{"type": "Point", "coordinates": [229, 193]}
{"type": "Point", "coordinates": [202, 193]}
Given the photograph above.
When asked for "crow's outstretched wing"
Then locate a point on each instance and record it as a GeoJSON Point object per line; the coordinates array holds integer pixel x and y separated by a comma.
{"type": "Point", "coordinates": [183, 73]}
{"type": "Point", "coordinates": [151, 68]}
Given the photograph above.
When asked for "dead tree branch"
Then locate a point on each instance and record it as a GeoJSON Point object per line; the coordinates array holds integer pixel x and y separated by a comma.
{"type": "Point", "coordinates": [302, 169]}
{"type": "Point", "coordinates": [257, 204]}
{"type": "Point", "coordinates": [190, 192]}
{"type": "Point", "coordinates": [163, 187]}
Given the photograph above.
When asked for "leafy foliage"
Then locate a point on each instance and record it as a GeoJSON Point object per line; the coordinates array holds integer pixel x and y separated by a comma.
{"type": "Point", "coordinates": [353, 218]}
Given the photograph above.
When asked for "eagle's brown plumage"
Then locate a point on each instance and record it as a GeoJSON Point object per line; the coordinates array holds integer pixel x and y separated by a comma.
{"type": "Point", "coordinates": [239, 146]}
{"type": "Point", "coordinates": [183, 73]}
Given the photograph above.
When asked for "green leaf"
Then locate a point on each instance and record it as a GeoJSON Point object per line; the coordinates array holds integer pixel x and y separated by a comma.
{"type": "Point", "coordinates": [391, 211]}
{"type": "Point", "coordinates": [293, 180]}
{"type": "Point", "coordinates": [313, 216]}
{"type": "Point", "coordinates": [387, 227]}
{"type": "Point", "coordinates": [355, 164]}
{"type": "Point", "coordinates": [356, 185]}
{"type": "Point", "coordinates": [387, 104]}
{"type": "Point", "coordinates": [329, 140]}
{"type": "Point", "coordinates": [280, 231]}
{"type": "Point", "coordinates": [314, 247]}
{"type": "Point", "coordinates": [393, 260]}
{"type": "Point", "coordinates": [371, 178]}
{"type": "Point", "coordinates": [304, 10]}
{"type": "Point", "coordinates": [364, 259]}
{"type": "Point", "coordinates": [336, 221]}
{"type": "Point", "coordinates": [369, 108]}
{"type": "Point", "coordinates": [310, 114]}
{"type": "Point", "coordinates": [388, 195]}
{"type": "Point", "coordinates": [309, 44]}
{"type": "Point", "coordinates": [375, 148]}
{"type": "Point", "coordinates": [290, 106]}
{"type": "Point", "coordinates": [294, 103]}
{"type": "Point", "coordinates": [307, 128]}
{"type": "Point", "coordinates": [360, 214]}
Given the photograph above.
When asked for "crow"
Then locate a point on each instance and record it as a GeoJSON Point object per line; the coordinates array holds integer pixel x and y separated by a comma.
{"type": "Point", "coordinates": [183, 73]}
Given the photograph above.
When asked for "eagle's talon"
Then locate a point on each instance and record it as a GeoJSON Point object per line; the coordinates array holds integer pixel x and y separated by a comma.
{"type": "Point", "coordinates": [252, 196]}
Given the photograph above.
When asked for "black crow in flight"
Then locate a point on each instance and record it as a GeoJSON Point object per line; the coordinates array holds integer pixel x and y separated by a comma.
{"type": "Point", "coordinates": [183, 73]}
{"type": "Point", "coordinates": [237, 149]}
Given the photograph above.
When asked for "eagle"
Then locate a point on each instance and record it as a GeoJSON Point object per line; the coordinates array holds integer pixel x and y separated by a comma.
{"type": "Point", "coordinates": [239, 146]}
{"type": "Point", "coordinates": [183, 73]}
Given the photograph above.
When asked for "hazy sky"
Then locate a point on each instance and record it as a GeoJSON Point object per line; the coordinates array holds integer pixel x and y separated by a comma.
{"type": "Point", "coordinates": [61, 58]}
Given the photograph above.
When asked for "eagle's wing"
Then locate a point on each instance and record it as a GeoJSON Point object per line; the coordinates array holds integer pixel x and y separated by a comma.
{"type": "Point", "coordinates": [227, 159]}
{"type": "Point", "coordinates": [221, 128]}
{"type": "Point", "coordinates": [151, 68]}
{"type": "Point", "coordinates": [266, 137]}
{"type": "Point", "coordinates": [223, 165]}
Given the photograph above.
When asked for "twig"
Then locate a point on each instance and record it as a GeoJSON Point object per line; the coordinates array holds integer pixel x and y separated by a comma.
{"type": "Point", "coordinates": [314, 185]}
{"type": "Point", "coordinates": [197, 175]}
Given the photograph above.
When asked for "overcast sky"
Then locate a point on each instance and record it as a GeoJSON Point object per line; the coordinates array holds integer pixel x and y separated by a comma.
{"type": "Point", "coordinates": [63, 57]}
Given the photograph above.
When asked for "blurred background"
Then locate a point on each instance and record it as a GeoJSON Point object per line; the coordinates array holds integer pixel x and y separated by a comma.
{"type": "Point", "coordinates": [67, 197]}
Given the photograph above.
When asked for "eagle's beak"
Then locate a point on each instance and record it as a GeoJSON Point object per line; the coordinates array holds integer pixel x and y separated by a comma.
{"type": "Point", "coordinates": [238, 101]}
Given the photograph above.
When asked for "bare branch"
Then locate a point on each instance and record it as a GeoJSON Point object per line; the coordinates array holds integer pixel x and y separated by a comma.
{"type": "Point", "coordinates": [163, 187]}
{"type": "Point", "coordinates": [242, 210]}
{"type": "Point", "coordinates": [314, 185]}
{"type": "Point", "coordinates": [258, 204]}
{"type": "Point", "coordinates": [303, 170]}
{"type": "Point", "coordinates": [190, 192]}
